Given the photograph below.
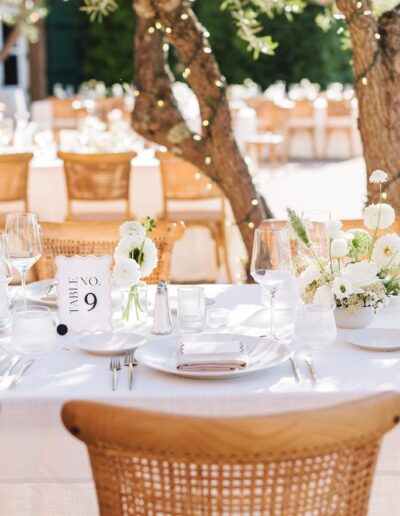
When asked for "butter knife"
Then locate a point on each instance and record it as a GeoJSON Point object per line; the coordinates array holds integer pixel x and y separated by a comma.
{"type": "Point", "coordinates": [13, 363]}
{"type": "Point", "coordinates": [296, 370]}
{"type": "Point", "coordinates": [24, 367]}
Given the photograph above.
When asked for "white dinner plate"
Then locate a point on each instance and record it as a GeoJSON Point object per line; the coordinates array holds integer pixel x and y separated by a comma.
{"type": "Point", "coordinates": [160, 354]}
{"type": "Point", "coordinates": [109, 343]}
{"type": "Point", "coordinates": [374, 339]}
{"type": "Point", "coordinates": [36, 290]}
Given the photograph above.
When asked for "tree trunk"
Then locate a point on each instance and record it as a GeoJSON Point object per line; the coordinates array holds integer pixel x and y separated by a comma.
{"type": "Point", "coordinates": [10, 42]}
{"type": "Point", "coordinates": [157, 117]}
{"type": "Point", "coordinates": [376, 66]}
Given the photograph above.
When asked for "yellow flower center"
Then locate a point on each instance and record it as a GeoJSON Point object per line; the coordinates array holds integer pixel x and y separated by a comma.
{"type": "Point", "coordinates": [387, 251]}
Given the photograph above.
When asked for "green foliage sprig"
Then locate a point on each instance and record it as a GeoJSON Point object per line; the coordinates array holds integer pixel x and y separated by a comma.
{"type": "Point", "coordinates": [297, 224]}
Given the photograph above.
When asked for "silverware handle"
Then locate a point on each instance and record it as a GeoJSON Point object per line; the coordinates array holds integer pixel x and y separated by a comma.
{"type": "Point", "coordinates": [312, 370]}
{"type": "Point", "coordinates": [130, 376]}
{"type": "Point", "coordinates": [114, 379]}
{"type": "Point", "coordinates": [296, 370]}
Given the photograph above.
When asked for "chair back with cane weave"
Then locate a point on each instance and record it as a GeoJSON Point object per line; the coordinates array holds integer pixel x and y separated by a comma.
{"type": "Point", "coordinates": [97, 177]}
{"type": "Point", "coordinates": [359, 224]}
{"type": "Point", "coordinates": [294, 464]}
{"type": "Point", "coordinates": [14, 171]}
{"type": "Point", "coordinates": [182, 181]}
{"type": "Point", "coordinates": [85, 238]}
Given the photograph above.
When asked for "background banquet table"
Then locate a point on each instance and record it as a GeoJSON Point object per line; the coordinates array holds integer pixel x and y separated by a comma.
{"type": "Point", "coordinates": [43, 470]}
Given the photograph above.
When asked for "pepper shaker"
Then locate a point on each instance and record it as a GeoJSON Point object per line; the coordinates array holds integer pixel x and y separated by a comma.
{"type": "Point", "coordinates": [162, 316]}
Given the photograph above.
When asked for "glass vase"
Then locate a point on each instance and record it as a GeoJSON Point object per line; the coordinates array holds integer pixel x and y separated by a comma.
{"type": "Point", "coordinates": [134, 305]}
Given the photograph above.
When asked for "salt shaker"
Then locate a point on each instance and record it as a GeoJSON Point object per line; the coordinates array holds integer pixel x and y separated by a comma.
{"type": "Point", "coordinates": [162, 317]}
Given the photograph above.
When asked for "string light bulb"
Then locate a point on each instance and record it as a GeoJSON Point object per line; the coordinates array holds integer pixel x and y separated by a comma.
{"type": "Point", "coordinates": [197, 137]}
{"type": "Point", "coordinates": [218, 83]}
{"type": "Point", "coordinates": [186, 73]}
{"type": "Point", "coordinates": [168, 30]}
{"type": "Point", "coordinates": [367, 12]}
{"type": "Point", "coordinates": [377, 35]}
{"type": "Point", "coordinates": [158, 26]}
{"type": "Point", "coordinates": [184, 16]}
{"type": "Point", "coordinates": [165, 47]}
{"type": "Point", "coordinates": [254, 202]}
{"type": "Point", "coordinates": [364, 80]}
{"type": "Point", "coordinates": [151, 30]}
{"type": "Point", "coordinates": [359, 4]}
{"type": "Point", "coordinates": [207, 160]}
{"type": "Point", "coordinates": [207, 50]}
{"type": "Point", "coordinates": [251, 225]}
{"type": "Point", "coordinates": [160, 103]}
{"type": "Point", "coordinates": [136, 93]}
{"type": "Point", "coordinates": [197, 176]}
{"type": "Point", "coordinates": [205, 123]}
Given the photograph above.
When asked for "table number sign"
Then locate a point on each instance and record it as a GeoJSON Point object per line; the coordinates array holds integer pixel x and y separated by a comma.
{"type": "Point", "coordinates": [84, 293]}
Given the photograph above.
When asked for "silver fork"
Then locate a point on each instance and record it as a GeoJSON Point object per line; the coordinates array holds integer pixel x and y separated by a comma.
{"type": "Point", "coordinates": [130, 361]}
{"type": "Point", "coordinates": [295, 367]}
{"type": "Point", "coordinates": [115, 365]}
{"type": "Point", "coordinates": [310, 363]}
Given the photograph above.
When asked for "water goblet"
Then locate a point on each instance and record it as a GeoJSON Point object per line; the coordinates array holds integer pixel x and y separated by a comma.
{"type": "Point", "coordinates": [314, 326]}
{"type": "Point", "coordinates": [24, 247]}
{"type": "Point", "coordinates": [271, 265]}
{"type": "Point", "coordinates": [33, 330]}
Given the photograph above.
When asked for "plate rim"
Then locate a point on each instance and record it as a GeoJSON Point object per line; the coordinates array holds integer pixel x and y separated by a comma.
{"type": "Point", "coordinates": [108, 352]}
{"type": "Point", "coordinates": [371, 347]}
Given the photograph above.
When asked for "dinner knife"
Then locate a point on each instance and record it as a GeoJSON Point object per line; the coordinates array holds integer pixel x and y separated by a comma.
{"type": "Point", "coordinates": [20, 373]}
{"type": "Point", "coordinates": [13, 363]}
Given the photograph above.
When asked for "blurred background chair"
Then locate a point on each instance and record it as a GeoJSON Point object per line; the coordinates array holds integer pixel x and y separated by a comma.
{"type": "Point", "coordinates": [98, 238]}
{"type": "Point", "coordinates": [302, 119]}
{"type": "Point", "coordinates": [339, 118]}
{"type": "Point", "coordinates": [310, 462]}
{"type": "Point", "coordinates": [14, 174]}
{"type": "Point", "coordinates": [96, 178]}
{"type": "Point", "coordinates": [66, 113]}
{"type": "Point", "coordinates": [184, 182]}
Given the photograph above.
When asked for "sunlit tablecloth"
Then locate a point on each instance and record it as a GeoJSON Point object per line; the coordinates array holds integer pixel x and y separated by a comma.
{"type": "Point", "coordinates": [44, 471]}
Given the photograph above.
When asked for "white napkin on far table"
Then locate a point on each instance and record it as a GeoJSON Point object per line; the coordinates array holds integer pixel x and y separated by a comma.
{"type": "Point", "coordinates": [211, 356]}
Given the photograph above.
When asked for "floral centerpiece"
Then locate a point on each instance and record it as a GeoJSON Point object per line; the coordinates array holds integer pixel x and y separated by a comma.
{"type": "Point", "coordinates": [362, 271]}
{"type": "Point", "coordinates": [135, 258]}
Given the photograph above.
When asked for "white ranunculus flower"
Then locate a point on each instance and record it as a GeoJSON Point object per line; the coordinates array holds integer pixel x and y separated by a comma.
{"type": "Point", "coordinates": [387, 251]}
{"type": "Point", "coordinates": [361, 273]}
{"type": "Point", "coordinates": [150, 258]}
{"type": "Point", "coordinates": [339, 247]}
{"type": "Point", "coordinates": [343, 287]}
{"type": "Point", "coordinates": [309, 275]}
{"type": "Point", "coordinates": [125, 246]}
{"type": "Point", "coordinates": [378, 215]}
{"type": "Point", "coordinates": [334, 228]}
{"type": "Point", "coordinates": [134, 230]}
{"type": "Point", "coordinates": [126, 272]}
{"type": "Point", "coordinates": [378, 176]}
{"type": "Point", "coordinates": [323, 295]}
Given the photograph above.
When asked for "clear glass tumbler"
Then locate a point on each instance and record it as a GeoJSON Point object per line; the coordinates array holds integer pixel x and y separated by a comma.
{"type": "Point", "coordinates": [191, 308]}
{"type": "Point", "coordinates": [33, 331]}
{"type": "Point", "coordinates": [314, 326]}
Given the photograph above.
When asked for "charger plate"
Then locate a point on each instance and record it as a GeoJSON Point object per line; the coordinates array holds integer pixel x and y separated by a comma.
{"type": "Point", "coordinates": [374, 339]}
{"type": "Point", "coordinates": [160, 353]}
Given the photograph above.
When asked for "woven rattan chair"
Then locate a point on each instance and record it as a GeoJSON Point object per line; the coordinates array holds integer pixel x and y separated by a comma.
{"type": "Point", "coordinates": [302, 120]}
{"type": "Point", "coordinates": [340, 118]}
{"type": "Point", "coordinates": [184, 182]}
{"type": "Point", "coordinates": [318, 462]}
{"type": "Point", "coordinates": [97, 177]}
{"type": "Point", "coordinates": [66, 113]}
{"type": "Point", "coordinates": [359, 224]}
{"type": "Point", "coordinates": [84, 238]}
{"type": "Point", "coordinates": [14, 172]}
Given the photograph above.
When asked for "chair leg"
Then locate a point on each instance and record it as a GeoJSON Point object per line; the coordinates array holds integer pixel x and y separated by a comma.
{"type": "Point", "coordinates": [272, 155]}
{"type": "Point", "coordinates": [224, 245]}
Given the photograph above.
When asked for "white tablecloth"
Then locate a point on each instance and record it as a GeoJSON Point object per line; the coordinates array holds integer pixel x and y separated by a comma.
{"type": "Point", "coordinates": [44, 471]}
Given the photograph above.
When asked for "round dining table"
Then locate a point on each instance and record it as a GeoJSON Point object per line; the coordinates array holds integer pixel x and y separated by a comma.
{"type": "Point", "coordinates": [45, 471]}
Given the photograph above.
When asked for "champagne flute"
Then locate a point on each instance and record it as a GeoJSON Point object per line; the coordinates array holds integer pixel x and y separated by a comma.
{"type": "Point", "coordinates": [23, 235]}
{"type": "Point", "coordinates": [271, 265]}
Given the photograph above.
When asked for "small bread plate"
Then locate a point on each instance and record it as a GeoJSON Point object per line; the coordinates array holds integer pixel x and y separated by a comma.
{"type": "Point", "coordinates": [37, 292]}
{"type": "Point", "coordinates": [160, 354]}
{"type": "Point", "coordinates": [374, 339]}
{"type": "Point", "coordinates": [108, 343]}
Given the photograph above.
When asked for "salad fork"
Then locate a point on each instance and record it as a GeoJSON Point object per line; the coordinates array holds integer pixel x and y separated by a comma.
{"type": "Point", "coordinates": [310, 363]}
{"type": "Point", "coordinates": [130, 361]}
{"type": "Point", "coordinates": [115, 365]}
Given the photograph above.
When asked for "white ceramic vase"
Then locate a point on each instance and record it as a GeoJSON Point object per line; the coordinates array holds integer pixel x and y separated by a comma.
{"type": "Point", "coordinates": [360, 319]}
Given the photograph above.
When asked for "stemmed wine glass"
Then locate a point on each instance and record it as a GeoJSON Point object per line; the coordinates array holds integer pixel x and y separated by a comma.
{"type": "Point", "coordinates": [319, 230]}
{"type": "Point", "coordinates": [271, 264]}
{"type": "Point", "coordinates": [24, 247]}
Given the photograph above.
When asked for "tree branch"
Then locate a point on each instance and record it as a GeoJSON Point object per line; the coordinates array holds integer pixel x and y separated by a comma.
{"type": "Point", "coordinates": [10, 42]}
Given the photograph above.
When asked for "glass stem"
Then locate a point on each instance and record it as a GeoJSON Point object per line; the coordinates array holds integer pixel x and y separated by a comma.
{"type": "Point", "coordinates": [272, 322]}
{"type": "Point", "coordinates": [23, 284]}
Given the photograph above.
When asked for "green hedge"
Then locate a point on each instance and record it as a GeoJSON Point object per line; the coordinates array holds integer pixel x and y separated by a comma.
{"type": "Point", "coordinates": [304, 49]}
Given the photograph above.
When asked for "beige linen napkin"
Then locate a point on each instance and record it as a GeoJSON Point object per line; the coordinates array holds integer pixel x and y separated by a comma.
{"type": "Point", "coordinates": [211, 356]}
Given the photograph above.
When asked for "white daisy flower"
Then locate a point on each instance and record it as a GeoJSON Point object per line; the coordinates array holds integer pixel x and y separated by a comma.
{"type": "Point", "coordinates": [343, 287]}
{"type": "Point", "coordinates": [339, 247]}
{"type": "Point", "coordinates": [334, 228]}
{"type": "Point", "coordinates": [126, 272]}
{"type": "Point", "coordinates": [379, 215]}
{"type": "Point", "coordinates": [361, 274]}
{"type": "Point", "coordinates": [307, 277]}
{"type": "Point", "coordinates": [134, 230]}
{"type": "Point", "coordinates": [387, 251]}
{"type": "Point", "coordinates": [150, 258]}
{"type": "Point", "coordinates": [125, 247]}
{"type": "Point", "coordinates": [378, 177]}
{"type": "Point", "coordinates": [323, 296]}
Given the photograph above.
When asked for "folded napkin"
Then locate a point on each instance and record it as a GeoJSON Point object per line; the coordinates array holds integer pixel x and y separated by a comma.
{"type": "Point", "coordinates": [211, 356]}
